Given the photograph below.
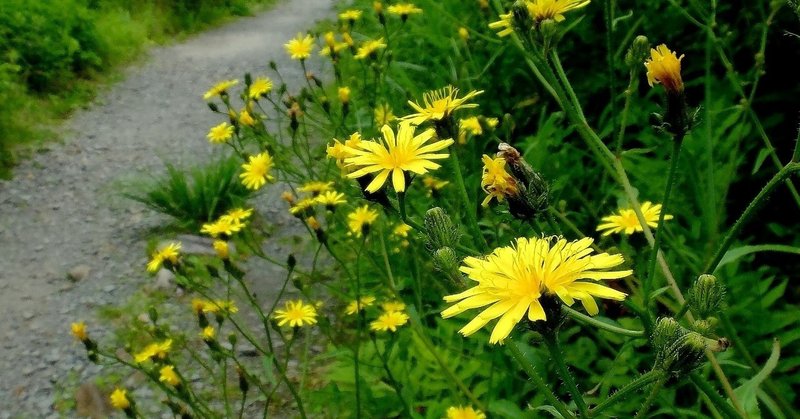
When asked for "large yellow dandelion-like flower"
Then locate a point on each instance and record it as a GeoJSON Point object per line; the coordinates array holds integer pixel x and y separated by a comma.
{"type": "Point", "coordinates": [226, 225]}
{"type": "Point", "coordinates": [625, 220]}
{"type": "Point", "coordinates": [256, 171]}
{"type": "Point", "coordinates": [496, 182]}
{"type": "Point", "coordinates": [439, 104]}
{"type": "Point", "coordinates": [553, 9]}
{"type": "Point", "coordinates": [464, 412]}
{"type": "Point", "coordinates": [239, 214]}
{"type": "Point", "coordinates": [399, 153]}
{"type": "Point", "coordinates": [513, 278]}
{"type": "Point", "coordinates": [369, 49]}
{"type": "Point", "coordinates": [356, 306]}
{"type": "Point", "coordinates": [360, 219]}
{"type": "Point", "coordinates": [389, 321]}
{"type": "Point", "coordinates": [664, 67]}
{"type": "Point", "coordinates": [220, 133]}
{"type": "Point", "coordinates": [168, 253]}
{"type": "Point", "coordinates": [300, 47]}
{"type": "Point", "coordinates": [404, 9]}
{"type": "Point", "coordinates": [119, 399]}
{"type": "Point", "coordinates": [504, 26]}
{"type": "Point", "coordinates": [220, 88]}
{"type": "Point", "coordinates": [259, 88]}
{"type": "Point", "coordinates": [296, 314]}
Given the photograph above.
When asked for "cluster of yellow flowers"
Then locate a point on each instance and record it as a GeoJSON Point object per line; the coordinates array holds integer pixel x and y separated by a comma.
{"type": "Point", "coordinates": [392, 316]}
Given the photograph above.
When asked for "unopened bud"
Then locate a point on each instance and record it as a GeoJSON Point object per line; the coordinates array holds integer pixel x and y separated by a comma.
{"type": "Point", "coordinates": [706, 296]}
{"type": "Point", "coordinates": [440, 230]}
{"type": "Point", "coordinates": [446, 261]}
{"type": "Point", "coordinates": [678, 351]}
{"type": "Point", "coordinates": [244, 385]}
{"type": "Point", "coordinates": [213, 106]}
{"type": "Point", "coordinates": [548, 29]}
{"type": "Point", "coordinates": [533, 191]}
{"type": "Point", "coordinates": [248, 79]}
{"type": "Point", "coordinates": [153, 314]}
{"type": "Point", "coordinates": [521, 16]}
{"type": "Point", "coordinates": [291, 261]}
{"type": "Point", "coordinates": [638, 52]}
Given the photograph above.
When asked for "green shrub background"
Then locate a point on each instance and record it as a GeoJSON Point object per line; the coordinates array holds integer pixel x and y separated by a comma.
{"type": "Point", "coordinates": [53, 52]}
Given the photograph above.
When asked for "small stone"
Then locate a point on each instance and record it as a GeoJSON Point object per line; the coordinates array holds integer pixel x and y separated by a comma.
{"type": "Point", "coordinates": [28, 315]}
{"type": "Point", "coordinates": [78, 273]}
{"type": "Point", "coordinates": [109, 288]}
{"type": "Point", "coordinates": [165, 280]}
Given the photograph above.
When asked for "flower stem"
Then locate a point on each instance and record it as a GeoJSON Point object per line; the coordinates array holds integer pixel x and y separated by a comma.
{"type": "Point", "coordinates": [751, 210]}
{"type": "Point", "coordinates": [652, 396]}
{"type": "Point", "coordinates": [712, 394]}
{"type": "Point", "coordinates": [601, 325]}
{"type": "Point", "coordinates": [673, 170]}
{"type": "Point", "coordinates": [467, 206]}
{"type": "Point", "coordinates": [530, 370]}
{"type": "Point", "coordinates": [554, 346]}
{"type": "Point", "coordinates": [635, 385]}
{"type": "Point", "coordinates": [359, 323]}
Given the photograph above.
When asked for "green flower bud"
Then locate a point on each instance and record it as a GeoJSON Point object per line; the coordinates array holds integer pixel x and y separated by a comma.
{"type": "Point", "coordinates": [534, 191]}
{"type": "Point", "coordinates": [153, 314]}
{"type": "Point", "coordinates": [707, 296]}
{"type": "Point", "coordinates": [440, 230]}
{"type": "Point", "coordinates": [678, 351]}
{"type": "Point", "coordinates": [446, 261]}
{"type": "Point", "coordinates": [638, 52]}
{"type": "Point", "coordinates": [521, 16]}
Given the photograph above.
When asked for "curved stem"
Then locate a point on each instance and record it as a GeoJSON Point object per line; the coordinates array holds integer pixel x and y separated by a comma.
{"type": "Point", "coordinates": [554, 346]}
{"type": "Point", "coordinates": [673, 170]}
{"type": "Point", "coordinates": [467, 206]}
{"type": "Point", "coordinates": [750, 211]}
{"type": "Point", "coordinates": [632, 387]}
{"type": "Point", "coordinates": [530, 370]}
{"type": "Point", "coordinates": [601, 325]}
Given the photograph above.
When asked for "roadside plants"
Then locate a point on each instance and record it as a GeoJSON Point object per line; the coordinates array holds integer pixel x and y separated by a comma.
{"type": "Point", "coordinates": [444, 273]}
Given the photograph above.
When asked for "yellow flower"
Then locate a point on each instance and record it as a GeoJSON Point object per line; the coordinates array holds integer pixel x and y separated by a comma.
{"type": "Point", "coordinates": [199, 305]}
{"type": "Point", "coordinates": [504, 26]}
{"type": "Point", "coordinates": [464, 412]}
{"type": "Point", "coordinates": [168, 375]}
{"type": "Point", "coordinates": [239, 214]}
{"type": "Point", "coordinates": [331, 46]}
{"type": "Point", "coordinates": [383, 114]}
{"type": "Point", "coordinates": [220, 88]}
{"type": "Point", "coordinates": [221, 248]}
{"type": "Point", "coordinates": [300, 47]}
{"type": "Point", "coordinates": [513, 278]}
{"type": "Point", "coordinates": [433, 184]}
{"type": "Point", "coordinates": [393, 306]}
{"type": "Point", "coordinates": [256, 171]}
{"type": "Point", "coordinates": [369, 49]}
{"type": "Point", "coordinates": [404, 9]}
{"type": "Point", "coordinates": [625, 220]}
{"type": "Point", "coordinates": [350, 14]}
{"type": "Point", "coordinates": [377, 7]}
{"type": "Point", "coordinates": [224, 225]}
{"type": "Point", "coordinates": [226, 306]}
{"type": "Point", "coordinates": [496, 182]}
{"type": "Point", "coordinates": [220, 133]}
{"type": "Point", "coordinates": [259, 88]}
{"type": "Point", "coordinates": [302, 205]}
{"type": "Point", "coordinates": [246, 119]}
{"type": "Point", "coordinates": [389, 321]}
{"type": "Point", "coordinates": [119, 399]}
{"type": "Point", "coordinates": [440, 104]}
{"type": "Point", "coordinates": [153, 350]}
{"type": "Point", "coordinates": [553, 9]}
{"type": "Point", "coordinates": [209, 333]}
{"type": "Point", "coordinates": [315, 188]}
{"type": "Point", "coordinates": [664, 67]}
{"type": "Point", "coordinates": [360, 219]}
{"type": "Point", "coordinates": [344, 94]}
{"type": "Point", "coordinates": [313, 223]}
{"type": "Point", "coordinates": [330, 199]}
{"type": "Point", "coordinates": [79, 331]}
{"type": "Point", "coordinates": [296, 314]}
{"type": "Point", "coordinates": [168, 253]}
{"type": "Point", "coordinates": [214, 307]}
{"type": "Point", "coordinates": [463, 33]}
{"type": "Point", "coordinates": [401, 230]}
{"type": "Point", "coordinates": [356, 306]}
{"type": "Point", "coordinates": [400, 153]}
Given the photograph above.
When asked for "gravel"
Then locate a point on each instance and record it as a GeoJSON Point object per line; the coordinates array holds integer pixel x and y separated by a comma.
{"type": "Point", "coordinates": [70, 243]}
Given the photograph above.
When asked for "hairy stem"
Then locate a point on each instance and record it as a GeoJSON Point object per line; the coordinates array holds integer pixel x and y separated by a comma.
{"type": "Point", "coordinates": [530, 370]}
{"type": "Point", "coordinates": [556, 354]}
{"type": "Point", "coordinates": [635, 385]}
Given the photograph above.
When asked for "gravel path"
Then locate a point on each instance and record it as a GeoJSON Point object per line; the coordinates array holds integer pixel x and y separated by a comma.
{"type": "Point", "coordinates": [62, 211]}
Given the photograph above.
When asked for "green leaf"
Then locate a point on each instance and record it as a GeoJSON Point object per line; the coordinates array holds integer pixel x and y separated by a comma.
{"type": "Point", "coordinates": [551, 410]}
{"type": "Point", "coordinates": [739, 252]}
{"type": "Point", "coordinates": [747, 392]}
{"type": "Point", "coordinates": [268, 369]}
{"type": "Point", "coordinates": [762, 155]}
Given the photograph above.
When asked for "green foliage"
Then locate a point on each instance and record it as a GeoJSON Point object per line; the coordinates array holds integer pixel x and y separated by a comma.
{"type": "Point", "coordinates": [196, 196]}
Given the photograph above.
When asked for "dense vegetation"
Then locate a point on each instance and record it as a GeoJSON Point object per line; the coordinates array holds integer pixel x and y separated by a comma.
{"type": "Point", "coordinates": [51, 51]}
{"type": "Point", "coordinates": [566, 131]}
